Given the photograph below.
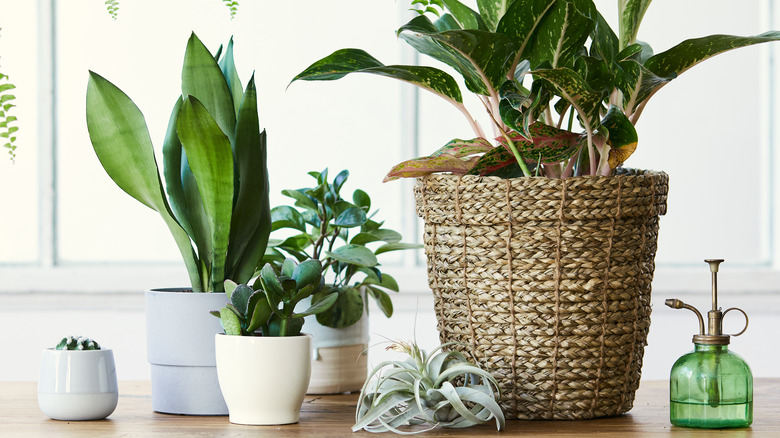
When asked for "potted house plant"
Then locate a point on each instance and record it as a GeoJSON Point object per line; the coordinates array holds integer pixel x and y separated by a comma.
{"type": "Point", "coordinates": [347, 238]}
{"type": "Point", "coordinates": [263, 360]}
{"type": "Point", "coordinates": [215, 204]}
{"type": "Point", "coordinates": [545, 279]}
{"type": "Point", "coordinates": [77, 381]}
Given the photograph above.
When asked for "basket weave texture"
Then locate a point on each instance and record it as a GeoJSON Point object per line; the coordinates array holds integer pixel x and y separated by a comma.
{"type": "Point", "coordinates": [546, 282]}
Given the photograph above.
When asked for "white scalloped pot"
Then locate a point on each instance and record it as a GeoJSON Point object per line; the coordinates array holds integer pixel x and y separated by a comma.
{"type": "Point", "coordinates": [263, 379]}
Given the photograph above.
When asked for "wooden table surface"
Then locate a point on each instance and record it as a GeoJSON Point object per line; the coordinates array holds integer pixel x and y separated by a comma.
{"type": "Point", "coordinates": [332, 416]}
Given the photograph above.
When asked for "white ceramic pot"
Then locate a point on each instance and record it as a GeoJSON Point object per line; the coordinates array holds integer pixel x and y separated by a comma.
{"type": "Point", "coordinates": [263, 379]}
{"type": "Point", "coordinates": [180, 349]}
{"type": "Point", "coordinates": [77, 385]}
{"type": "Point", "coordinates": [339, 360]}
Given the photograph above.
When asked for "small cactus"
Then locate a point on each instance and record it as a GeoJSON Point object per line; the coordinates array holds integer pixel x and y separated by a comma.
{"type": "Point", "coordinates": [77, 343]}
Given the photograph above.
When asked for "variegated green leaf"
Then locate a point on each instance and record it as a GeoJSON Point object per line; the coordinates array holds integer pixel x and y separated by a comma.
{"type": "Point", "coordinates": [630, 14]}
{"type": "Point", "coordinates": [548, 144]}
{"type": "Point", "coordinates": [343, 62]}
{"type": "Point", "coordinates": [228, 67]}
{"type": "Point", "coordinates": [463, 148]}
{"type": "Point", "coordinates": [572, 87]}
{"type": "Point", "coordinates": [427, 165]}
{"type": "Point", "coordinates": [637, 84]}
{"type": "Point", "coordinates": [492, 11]}
{"type": "Point", "coordinates": [466, 17]}
{"type": "Point", "coordinates": [622, 137]}
{"type": "Point", "coordinates": [688, 53]}
{"type": "Point", "coordinates": [520, 23]}
{"type": "Point", "coordinates": [482, 58]}
{"type": "Point", "coordinates": [604, 41]}
{"type": "Point", "coordinates": [560, 36]}
{"type": "Point", "coordinates": [496, 159]}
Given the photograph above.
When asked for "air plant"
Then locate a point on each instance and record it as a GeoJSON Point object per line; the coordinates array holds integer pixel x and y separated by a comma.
{"type": "Point", "coordinates": [440, 389]}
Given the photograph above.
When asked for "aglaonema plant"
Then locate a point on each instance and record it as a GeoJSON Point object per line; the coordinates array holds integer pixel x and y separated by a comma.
{"type": "Point", "coordinates": [322, 221]}
{"type": "Point", "coordinates": [214, 164]}
{"type": "Point", "coordinates": [561, 89]}
{"type": "Point", "coordinates": [268, 307]}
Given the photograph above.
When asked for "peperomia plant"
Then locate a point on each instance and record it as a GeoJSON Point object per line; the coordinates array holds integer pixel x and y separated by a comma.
{"type": "Point", "coordinates": [438, 389]}
{"type": "Point", "coordinates": [214, 162]}
{"type": "Point", "coordinates": [322, 223]}
{"type": "Point", "coordinates": [268, 307]}
{"type": "Point", "coordinates": [562, 90]}
{"type": "Point", "coordinates": [77, 343]}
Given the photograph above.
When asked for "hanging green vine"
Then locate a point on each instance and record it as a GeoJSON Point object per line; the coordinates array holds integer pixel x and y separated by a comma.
{"type": "Point", "coordinates": [112, 6]}
{"type": "Point", "coordinates": [7, 128]}
{"type": "Point", "coordinates": [233, 6]}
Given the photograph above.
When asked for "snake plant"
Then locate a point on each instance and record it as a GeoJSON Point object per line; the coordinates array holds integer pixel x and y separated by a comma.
{"type": "Point", "coordinates": [438, 389]}
{"type": "Point", "coordinates": [214, 163]}
{"type": "Point", "coordinates": [562, 90]}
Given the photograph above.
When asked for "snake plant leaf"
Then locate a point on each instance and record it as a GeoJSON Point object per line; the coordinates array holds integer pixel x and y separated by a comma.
{"type": "Point", "coordinates": [251, 218]}
{"type": "Point", "coordinates": [355, 254]}
{"type": "Point", "coordinates": [427, 165]}
{"type": "Point", "coordinates": [198, 218]}
{"type": "Point", "coordinates": [345, 61]}
{"type": "Point", "coordinates": [572, 87]}
{"type": "Point", "coordinates": [492, 11]}
{"type": "Point", "coordinates": [230, 322]}
{"type": "Point", "coordinates": [520, 23]}
{"type": "Point", "coordinates": [630, 14]}
{"type": "Point", "coordinates": [637, 84]}
{"type": "Point", "coordinates": [228, 66]}
{"type": "Point", "coordinates": [622, 137]}
{"type": "Point", "coordinates": [211, 159]}
{"type": "Point", "coordinates": [466, 17]}
{"type": "Point", "coordinates": [202, 78]}
{"type": "Point", "coordinates": [121, 141]}
{"type": "Point", "coordinates": [481, 57]}
{"type": "Point", "coordinates": [346, 310]}
{"type": "Point", "coordinates": [688, 53]}
{"type": "Point", "coordinates": [560, 36]}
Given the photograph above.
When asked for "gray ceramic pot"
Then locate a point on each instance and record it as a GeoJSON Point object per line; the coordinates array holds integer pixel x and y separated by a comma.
{"type": "Point", "coordinates": [180, 348]}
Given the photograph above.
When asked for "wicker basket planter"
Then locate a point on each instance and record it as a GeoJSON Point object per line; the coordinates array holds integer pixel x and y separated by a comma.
{"type": "Point", "coordinates": [547, 283]}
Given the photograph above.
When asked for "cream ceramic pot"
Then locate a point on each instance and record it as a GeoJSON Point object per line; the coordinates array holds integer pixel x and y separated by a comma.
{"type": "Point", "coordinates": [77, 385]}
{"type": "Point", "coordinates": [263, 379]}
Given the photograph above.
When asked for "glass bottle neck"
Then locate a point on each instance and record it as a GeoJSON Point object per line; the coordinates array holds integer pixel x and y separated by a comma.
{"type": "Point", "coordinates": [710, 347]}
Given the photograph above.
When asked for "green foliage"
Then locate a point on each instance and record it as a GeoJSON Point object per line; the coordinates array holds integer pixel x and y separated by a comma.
{"type": "Point", "coordinates": [112, 6]}
{"type": "Point", "coordinates": [438, 389]}
{"type": "Point", "coordinates": [214, 164]}
{"type": "Point", "coordinates": [77, 343]}
{"type": "Point", "coordinates": [536, 62]}
{"type": "Point", "coordinates": [322, 224]}
{"type": "Point", "coordinates": [7, 120]}
{"type": "Point", "coordinates": [268, 307]}
{"type": "Point", "coordinates": [232, 5]}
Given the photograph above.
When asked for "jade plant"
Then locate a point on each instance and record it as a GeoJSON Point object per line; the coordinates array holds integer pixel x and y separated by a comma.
{"type": "Point", "coordinates": [215, 201]}
{"type": "Point", "coordinates": [322, 225]}
{"type": "Point", "coordinates": [267, 308]}
{"type": "Point", "coordinates": [77, 343]}
{"type": "Point", "coordinates": [442, 389]}
{"type": "Point", "coordinates": [562, 90]}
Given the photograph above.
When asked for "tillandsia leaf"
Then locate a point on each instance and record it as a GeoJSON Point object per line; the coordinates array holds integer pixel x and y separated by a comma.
{"type": "Point", "coordinates": [345, 61]}
{"type": "Point", "coordinates": [121, 141]}
{"type": "Point", "coordinates": [202, 78]}
{"type": "Point", "coordinates": [427, 165]}
{"type": "Point", "coordinates": [520, 23]}
{"type": "Point", "coordinates": [228, 67]}
{"type": "Point", "coordinates": [560, 36]}
{"type": "Point", "coordinates": [492, 11]}
{"type": "Point", "coordinates": [354, 254]}
{"type": "Point", "coordinates": [211, 159]}
{"type": "Point", "coordinates": [637, 84]}
{"type": "Point", "coordinates": [482, 58]}
{"type": "Point", "coordinates": [251, 219]}
{"type": "Point", "coordinates": [622, 137]}
{"type": "Point", "coordinates": [688, 53]}
{"type": "Point", "coordinates": [630, 14]}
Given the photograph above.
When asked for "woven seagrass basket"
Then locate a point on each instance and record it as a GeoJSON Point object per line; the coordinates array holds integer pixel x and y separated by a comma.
{"type": "Point", "coordinates": [546, 282]}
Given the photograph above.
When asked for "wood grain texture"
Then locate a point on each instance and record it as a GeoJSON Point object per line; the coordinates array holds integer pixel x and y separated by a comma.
{"type": "Point", "coordinates": [332, 416]}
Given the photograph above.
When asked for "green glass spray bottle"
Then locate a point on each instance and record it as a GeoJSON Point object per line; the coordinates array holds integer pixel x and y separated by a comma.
{"type": "Point", "coordinates": [711, 387]}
